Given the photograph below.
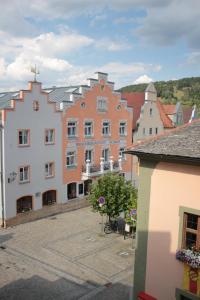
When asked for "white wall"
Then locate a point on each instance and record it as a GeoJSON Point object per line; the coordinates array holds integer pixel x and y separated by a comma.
{"type": "Point", "coordinates": [24, 117]}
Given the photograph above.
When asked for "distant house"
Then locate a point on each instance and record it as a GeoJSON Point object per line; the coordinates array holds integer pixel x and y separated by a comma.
{"type": "Point", "coordinates": [146, 117]}
{"type": "Point", "coordinates": [167, 261]}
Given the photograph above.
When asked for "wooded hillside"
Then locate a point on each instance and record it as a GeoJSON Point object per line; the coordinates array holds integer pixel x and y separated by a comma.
{"type": "Point", "coordinates": [186, 90]}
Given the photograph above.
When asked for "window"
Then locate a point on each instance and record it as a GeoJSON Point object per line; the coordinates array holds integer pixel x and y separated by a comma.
{"type": "Point", "coordinates": [191, 231]}
{"type": "Point", "coordinates": [49, 136]}
{"type": "Point", "coordinates": [71, 159]}
{"type": "Point", "coordinates": [49, 169]}
{"type": "Point", "coordinates": [24, 204]}
{"type": "Point", "coordinates": [121, 153]}
{"type": "Point", "coordinates": [122, 128]}
{"type": "Point", "coordinates": [156, 130]}
{"type": "Point", "coordinates": [102, 105]}
{"type": "Point", "coordinates": [88, 128]}
{"type": "Point", "coordinates": [106, 128]}
{"type": "Point", "coordinates": [24, 137]}
{"type": "Point", "coordinates": [151, 112]}
{"type": "Point", "coordinates": [36, 105]}
{"type": "Point", "coordinates": [24, 174]}
{"type": "Point", "coordinates": [80, 189]}
{"type": "Point", "coordinates": [150, 131]}
{"type": "Point", "coordinates": [71, 129]}
{"type": "Point", "coordinates": [143, 131]}
{"type": "Point", "coordinates": [105, 154]}
{"type": "Point", "coordinates": [89, 155]}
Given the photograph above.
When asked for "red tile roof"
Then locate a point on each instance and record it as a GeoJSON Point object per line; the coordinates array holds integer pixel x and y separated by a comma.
{"type": "Point", "coordinates": [187, 112]}
{"type": "Point", "coordinates": [167, 122]}
{"type": "Point", "coordinates": [135, 100]}
{"type": "Point", "coordinates": [169, 109]}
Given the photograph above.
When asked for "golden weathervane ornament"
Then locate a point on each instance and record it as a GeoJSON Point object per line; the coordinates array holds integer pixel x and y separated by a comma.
{"type": "Point", "coordinates": [35, 71]}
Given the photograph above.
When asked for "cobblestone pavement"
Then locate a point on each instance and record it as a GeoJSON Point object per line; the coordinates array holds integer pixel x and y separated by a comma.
{"type": "Point", "coordinates": [65, 257]}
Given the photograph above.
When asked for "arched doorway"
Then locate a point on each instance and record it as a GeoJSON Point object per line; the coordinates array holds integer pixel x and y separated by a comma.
{"type": "Point", "coordinates": [71, 190]}
{"type": "Point", "coordinates": [87, 186]}
{"type": "Point", "coordinates": [49, 197]}
{"type": "Point", "coordinates": [24, 204]}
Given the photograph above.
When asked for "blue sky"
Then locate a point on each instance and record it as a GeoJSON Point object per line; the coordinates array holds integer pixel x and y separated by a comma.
{"type": "Point", "coordinates": [132, 40]}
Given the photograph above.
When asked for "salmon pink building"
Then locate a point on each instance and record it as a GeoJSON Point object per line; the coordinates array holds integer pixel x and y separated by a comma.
{"type": "Point", "coordinates": [96, 129]}
{"type": "Point", "coordinates": [167, 261]}
{"type": "Point", "coordinates": [55, 142]}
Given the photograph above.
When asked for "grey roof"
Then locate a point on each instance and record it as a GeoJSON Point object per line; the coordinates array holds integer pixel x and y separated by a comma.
{"type": "Point", "coordinates": [61, 94]}
{"type": "Point", "coordinates": [6, 97]}
{"type": "Point", "coordinates": [182, 143]}
{"type": "Point", "coordinates": [56, 94]}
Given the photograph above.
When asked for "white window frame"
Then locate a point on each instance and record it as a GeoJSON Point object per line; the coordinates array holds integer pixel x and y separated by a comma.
{"type": "Point", "coordinates": [71, 157]}
{"type": "Point", "coordinates": [49, 136]}
{"type": "Point", "coordinates": [108, 154]}
{"type": "Point", "coordinates": [92, 155]}
{"type": "Point", "coordinates": [25, 136]}
{"type": "Point", "coordinates": [72, 129]}
{"type": "Point", "coordinates": [106, 128]}
{"type": "Point", "coordinates": [88, 129]}
{"type": "Point", "coordinates": [49, 169]}
{"type": "Point", "coordinates": [123, 128]}
{"type": "Point", "coordinates": [24, 174]}
{"type": "Point", "coordinates": [121, 150]}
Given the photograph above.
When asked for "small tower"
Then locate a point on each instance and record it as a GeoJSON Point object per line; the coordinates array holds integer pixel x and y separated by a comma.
{"type": "Point", "coordinates": [150, 92]}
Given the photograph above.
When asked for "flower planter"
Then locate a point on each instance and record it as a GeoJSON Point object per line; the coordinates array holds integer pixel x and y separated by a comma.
{"type": "Point", "coordinates": [189, 257]}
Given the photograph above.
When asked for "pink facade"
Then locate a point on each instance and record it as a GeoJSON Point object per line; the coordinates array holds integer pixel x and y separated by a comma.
{"type": "Point", "coordinates": [172, 186]}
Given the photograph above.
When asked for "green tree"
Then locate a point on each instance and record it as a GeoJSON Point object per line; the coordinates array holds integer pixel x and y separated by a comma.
{"type": "Point", "coordinates": [118, 194]}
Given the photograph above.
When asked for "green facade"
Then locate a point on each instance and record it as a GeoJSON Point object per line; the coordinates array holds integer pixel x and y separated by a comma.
{"type": "Point", "coordinates": [144, 189]}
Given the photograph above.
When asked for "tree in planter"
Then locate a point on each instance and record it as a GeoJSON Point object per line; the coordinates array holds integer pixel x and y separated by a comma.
{"type": "Point", "coordinates": [118, 193]}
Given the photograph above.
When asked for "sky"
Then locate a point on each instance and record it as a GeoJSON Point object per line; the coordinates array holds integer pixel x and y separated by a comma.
{"type": "Point", "coordinates": [134, 41]}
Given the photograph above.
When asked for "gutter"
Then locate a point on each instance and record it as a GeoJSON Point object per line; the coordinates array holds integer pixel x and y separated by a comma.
{"type": "Point", "coordinates": [2, 177]}
{"type": "Point", "coordinates": [165, 157]}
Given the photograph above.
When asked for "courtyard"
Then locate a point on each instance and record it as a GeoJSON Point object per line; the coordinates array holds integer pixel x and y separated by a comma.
{"type": "Point", "coordinates": [65, 257]}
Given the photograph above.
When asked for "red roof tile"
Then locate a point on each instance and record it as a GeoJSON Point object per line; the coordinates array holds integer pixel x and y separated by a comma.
{"type": "Point", "coordinates": [167, 122]}
{"type": "Point", "coordinates": [135, 100]}
{"type": "Point", "coordinates": [169, 109]}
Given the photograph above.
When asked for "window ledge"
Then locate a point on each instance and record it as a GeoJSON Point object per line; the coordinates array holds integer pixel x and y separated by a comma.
{"type": "Point", "coordinates": [23, 182]}
{"type": "Point", "coordinates": [71, 167]}
{"type": "Point", "coordinates": [23, 145]}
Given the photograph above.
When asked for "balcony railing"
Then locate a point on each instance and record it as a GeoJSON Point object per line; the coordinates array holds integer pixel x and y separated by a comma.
{"type": "Point", "coordinates": [92, 170]}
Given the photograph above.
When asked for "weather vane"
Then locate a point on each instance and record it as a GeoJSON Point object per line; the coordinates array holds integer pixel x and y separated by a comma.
{"type": "Point", "coordinates": [36, 71]}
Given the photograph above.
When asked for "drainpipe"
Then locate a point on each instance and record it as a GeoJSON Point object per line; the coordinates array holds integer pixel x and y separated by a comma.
{"type": "Point", "coordinates": [2, 177]}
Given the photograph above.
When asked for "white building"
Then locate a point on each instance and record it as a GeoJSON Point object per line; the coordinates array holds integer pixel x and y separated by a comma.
{"type": "Point", "coordinates": [31, 152]}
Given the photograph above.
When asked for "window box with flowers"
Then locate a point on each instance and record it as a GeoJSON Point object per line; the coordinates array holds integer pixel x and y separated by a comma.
{"type": "Point", "coordinates": [190, 257]}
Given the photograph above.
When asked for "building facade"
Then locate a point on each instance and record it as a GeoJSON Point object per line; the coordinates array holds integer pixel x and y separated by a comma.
{"type": "Point", "coordinates": [167, 262]}
{"type": "Point", "coordinates": [31, 151]}
{"type": "Point", "coordinates": [96, 131]}
{"type": "Point", "coordinates": [55, 142]}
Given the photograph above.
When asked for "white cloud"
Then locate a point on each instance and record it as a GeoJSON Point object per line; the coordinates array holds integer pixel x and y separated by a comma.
{"type": "Point", "coordinates": [179, 20]}
{"type": "Point", "coordinates": [97, 20]}
{"type": "Point", "coordinates": [143, 79]}
{"type": "Point", "coordinates": [128, 69]}
{"type": "Point", "coordinates": [112, 45]}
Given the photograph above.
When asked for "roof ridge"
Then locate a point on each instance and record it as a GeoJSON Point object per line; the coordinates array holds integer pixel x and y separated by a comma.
{"type": "Point", "coordinates": [165, 133]}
